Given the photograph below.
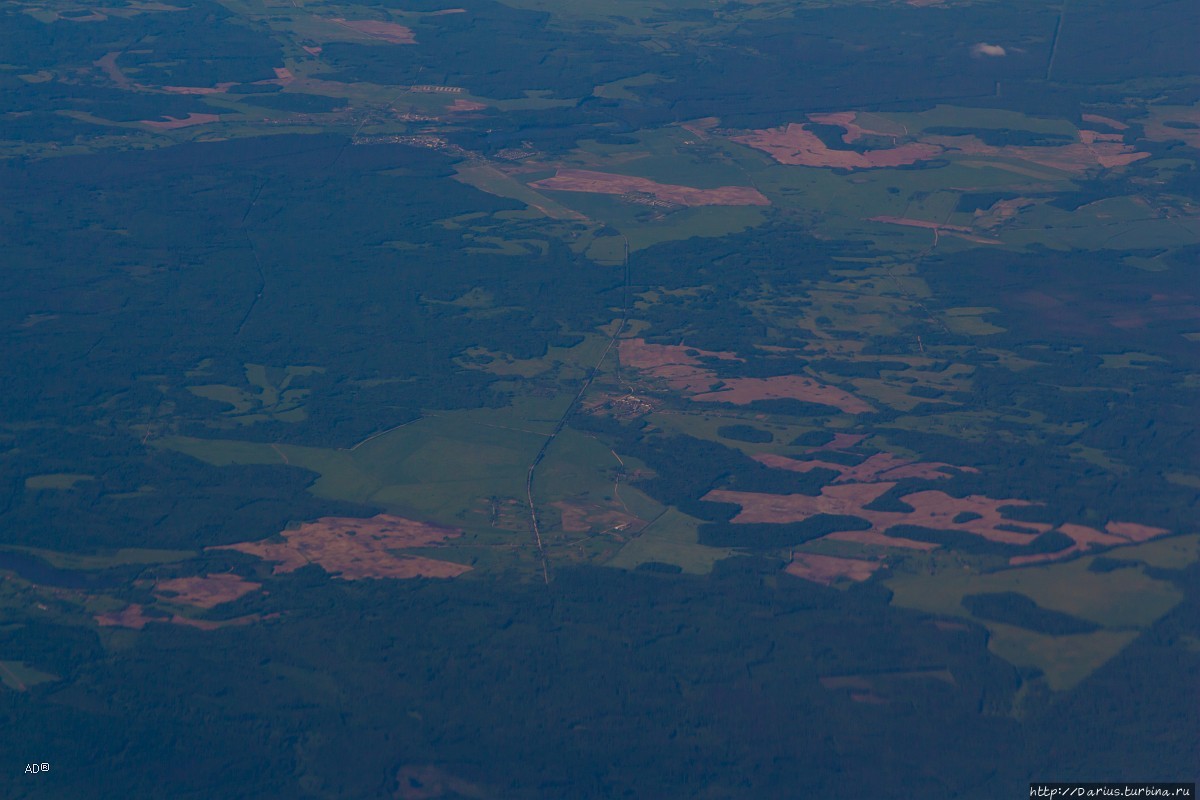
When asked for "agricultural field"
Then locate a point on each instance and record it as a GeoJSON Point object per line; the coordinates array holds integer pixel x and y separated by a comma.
{"type": "Point", "coordinates": [731, 432]}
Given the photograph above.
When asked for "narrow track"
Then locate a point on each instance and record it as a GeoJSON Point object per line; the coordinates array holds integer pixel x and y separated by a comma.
{"type": "Point", "coordinates": [534, 524]}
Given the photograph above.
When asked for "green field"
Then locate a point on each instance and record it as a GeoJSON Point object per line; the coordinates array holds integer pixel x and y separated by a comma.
{"type": "Point", "coordinates": [1125, 602]}
{"type": "Point", "coordinates": [670, 539]}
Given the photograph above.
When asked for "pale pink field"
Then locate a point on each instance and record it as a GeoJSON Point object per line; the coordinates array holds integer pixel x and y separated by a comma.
{"type": "Point", "coordinates": [741, 391]}
{"type": "Point", "coordinates": [171, 123]}
{"type": "Point", "coordinates": [683, 372]}
{"type": "Point", "coordinates": [1096, 119]}
{"type": "Point", "coordinates": [793, 144]}
{"type": "Point", "coordinates": [931, 509]}
{"type": "Point", "coordinates": [640, 354]}
{"type": "Point", "coordinates": [384, 31]}
{"type": "Point", "coordinates": [205, 591]}
{"type": "Point", "coordinates": [351, 548]}
{"type": "Point", "coordinates": [830, 569]}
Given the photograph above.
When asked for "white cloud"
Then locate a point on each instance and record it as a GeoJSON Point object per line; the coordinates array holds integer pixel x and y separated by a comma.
{"type": "Point", "coordinates": [985, 50]}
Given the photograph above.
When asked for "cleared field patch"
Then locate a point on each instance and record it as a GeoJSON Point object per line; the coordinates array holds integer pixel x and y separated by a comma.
{"type": "Point", "coordinates": [268, 394]}
{"type": "Point", "coordinates": [579, 469]}
{"type": "Point", "coordinates": [876, 687]}
{"type": "Point", "coordinates": [104, 559]}
{"type": "Point", "coordinates": [831, 569]}
{"type": "Point", "coordinates": [596, 518]}
{"type": "Point", "coordinates": [204, 591]}
{"type": "Point", "coordinates": [168, 123]}
{"type": "Point", "coordinates": [793, 144]}
{"type": "Point", "coordinates": [646, 224]}
{"type": "Point", "coordinates": [1065, 660]}
{"type": "Point", "coordinates": [640, 354]}
{"type": "Point", "coordinates": [975, 515]}
{"type": "Point", "coordinates": [351, 549]}
{"type": "Point", "coordinates": [56, 480]}
{"type": "Point", "coordinates": [1174, 122]}
{"type": "Point", "coordinates": [1107, 122]}
{"type": "Point", "coordinates": [1123, 601]}
{"type": "Point", "coordinates": [714, 425]}
{"type": "Point", "coordinates": [19, 676]}
{"type": "Point", "coordinates": [938, 228]}
{"type": "Point", "coordinates": [491, 180]}
{"type": "Point", "coordinates": [947, 134]}
{"type": "Point", "coordinates": [434, 467]}
{"type": "Point", "coordinates": [134, 616]}
{"type": "Point", "coordinates": [670, 539]}
{"type": "Point", "coordinates": [876, 468]}
{"type": "Point", "coordinates": [994, 118]}
{"type": "Point", "coordinates": [742, 391]}
{"type": "Point", "coordinates": [1174, 553]}
{"type": "Point", "coordinates": [1089, 152]}
{"type": "Point", "coordinates": [582, 180]}
{"type": "Point", "coordinates": [429, 782]}
{"type": "Point", "coordinates": [220, 88]}
{"type": "Point", "coordinates": [388, 32]}
{"type": "Point", "coordinates": [1115, 534]}
{"type": "Point", "coordinates": [682, 369]}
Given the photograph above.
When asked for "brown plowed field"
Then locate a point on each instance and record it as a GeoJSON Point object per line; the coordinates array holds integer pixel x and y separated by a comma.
{"type": "Point", "coordinates": [792, 144]}
{"type": "Point", "coordinates": [583, 180]}
{"type": "Point", "coordinates": [1134, 532]}
{"type": "Point", "coordinates": [779, 508]}
{"type": "Point", "coordinates": [741, 391]}
{"type": "Point", "coordinates": [351, 548]}
{"type": "Point", "coordinates": [639, 354]}
{"type": "Point", "coordinates": [830, 569]}
{"type": "Point", "coordinates": [795, 145]}
{"type": "Point", "coordinates": [206, 591]}
{"type": "Point", "coordinates": [683, 373]}
{"type": "Point", "coordinates": [931, 509]}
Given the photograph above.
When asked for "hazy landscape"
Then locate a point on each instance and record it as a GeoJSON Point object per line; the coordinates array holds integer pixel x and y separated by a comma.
{"type": "Point", "coordinates": [648, 398]}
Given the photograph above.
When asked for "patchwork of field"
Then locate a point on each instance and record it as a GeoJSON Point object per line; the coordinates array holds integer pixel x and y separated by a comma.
{"type": "Point", "coordinates": [975, 515]}
{"type": "Point", "coordinates": [376, 351]}
{"type": "Point", "coordinates": [679, 368]}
